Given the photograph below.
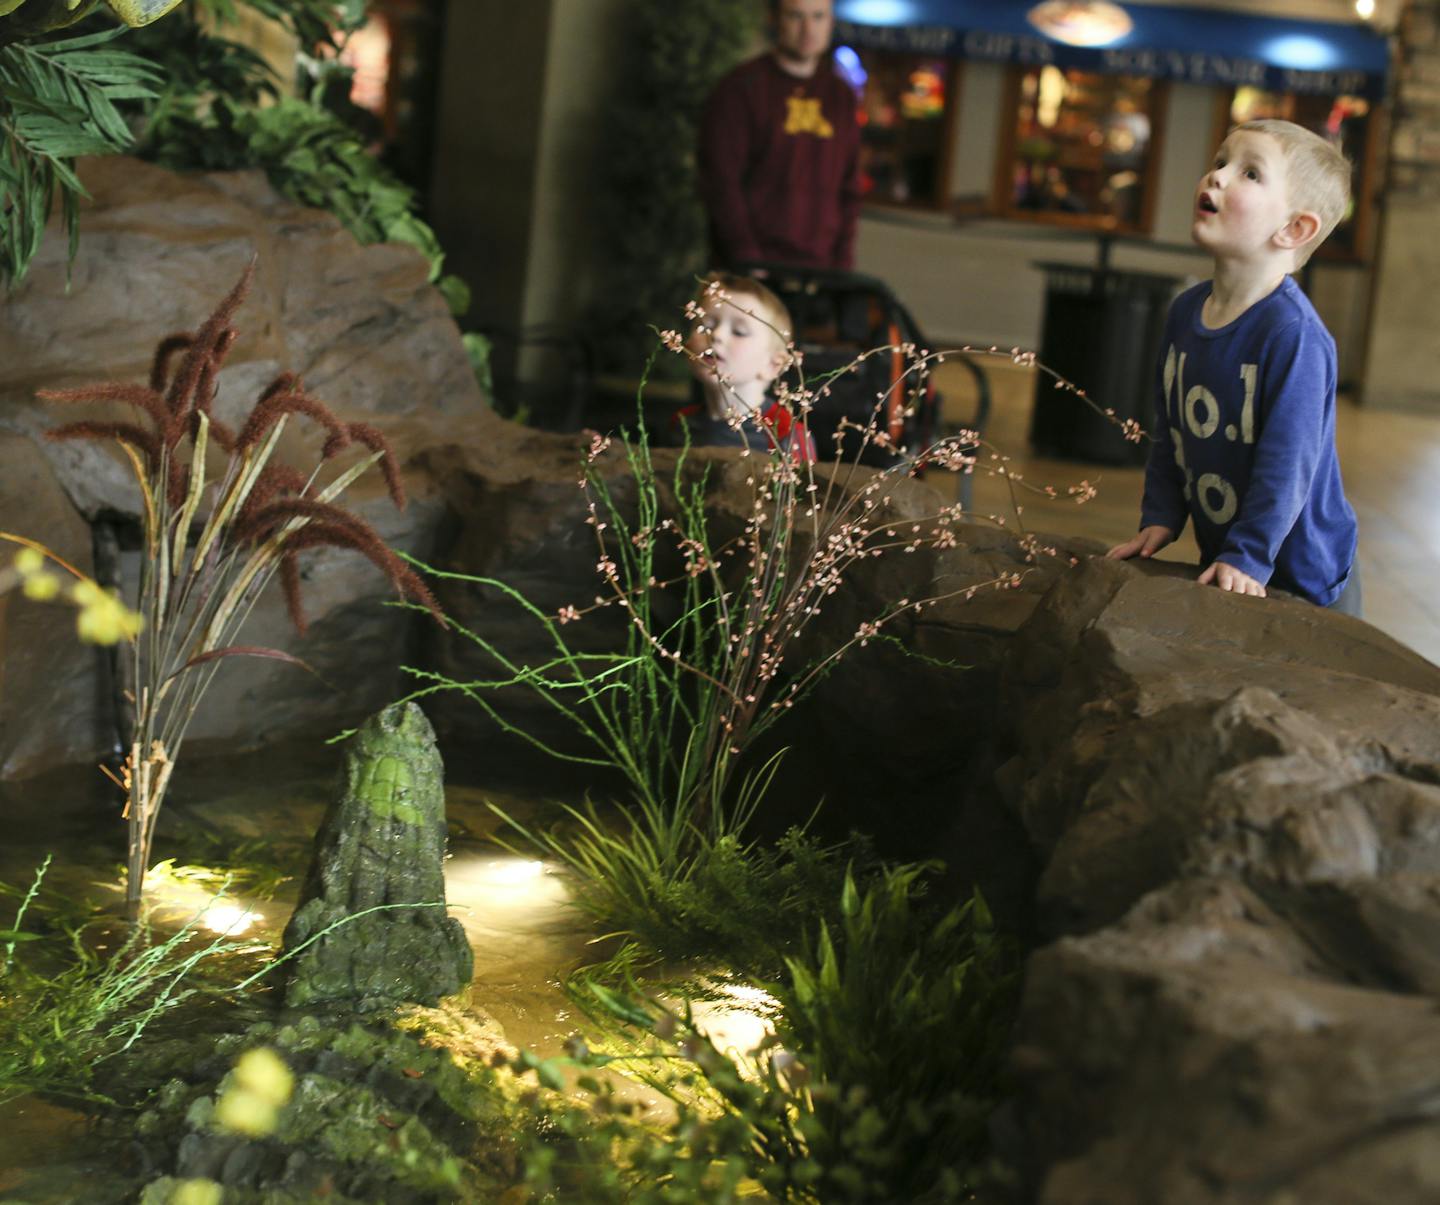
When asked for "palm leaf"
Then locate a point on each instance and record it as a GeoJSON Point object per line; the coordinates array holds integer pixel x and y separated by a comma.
{"type": "Point", "coordinates": [141, 12]}
{"type": "Point", "coordinates": [58, 102]}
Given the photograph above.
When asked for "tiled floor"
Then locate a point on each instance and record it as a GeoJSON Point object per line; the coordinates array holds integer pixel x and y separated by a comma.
{"type": "Point", "coordinates": [1390, 461]}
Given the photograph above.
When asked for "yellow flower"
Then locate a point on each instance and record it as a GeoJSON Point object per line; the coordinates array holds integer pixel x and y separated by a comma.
{"type": "Point", "coordinates": [28, 561]}
{"type": "Point", "coordinates": [245, 1113]}
{"type": "Point", "coordinates": [103, 618]}
{"type": "Point", "coordinates": [256, 1091]}
{"type": "Point", "coordinates": [197, 1192]}
{"type": "Point", "coordinates": [40, 586]}
{"type": "Point", "coordinates": [266, 1074]}
{"type": "Point", "coordinates": [86, 593]}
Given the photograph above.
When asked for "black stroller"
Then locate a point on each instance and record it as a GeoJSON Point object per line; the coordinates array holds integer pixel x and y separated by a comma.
{"type": "Point", "coordinates": [837, 316]}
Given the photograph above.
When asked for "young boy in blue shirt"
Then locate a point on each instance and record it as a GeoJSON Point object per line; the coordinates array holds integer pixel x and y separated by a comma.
{"type": "Point", "coordinates": [1246, 400]}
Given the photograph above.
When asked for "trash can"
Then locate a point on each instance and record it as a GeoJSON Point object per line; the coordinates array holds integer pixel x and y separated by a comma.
{"type": "Point", "coordinates": [1102, 330]}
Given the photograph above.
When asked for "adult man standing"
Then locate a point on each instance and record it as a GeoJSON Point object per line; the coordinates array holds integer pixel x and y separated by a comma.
{"type": "Point", "coordinates": [779, 150]}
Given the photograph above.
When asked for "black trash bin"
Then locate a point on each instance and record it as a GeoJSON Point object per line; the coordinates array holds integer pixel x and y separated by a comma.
{"type": "Point", "coordinates": [1102, 331]}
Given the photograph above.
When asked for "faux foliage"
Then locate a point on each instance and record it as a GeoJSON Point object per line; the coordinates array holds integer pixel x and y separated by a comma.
{"type": "Point", "coordinates": [66, 1009]}
{"type": "Point", "coordinates": [200, 101]}
{"type": "Point", "coordinates": [215, 541]}
{"type": "Point", "coordinates": [891, 1026]}
{"type": "Point", "coordinates": [903, 1009]}
{"type": "Point", "coordinates": [58, 101]}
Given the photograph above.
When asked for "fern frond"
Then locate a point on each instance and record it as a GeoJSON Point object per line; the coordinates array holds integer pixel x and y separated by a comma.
{"type": "Point", "coordinates": [57, 102]}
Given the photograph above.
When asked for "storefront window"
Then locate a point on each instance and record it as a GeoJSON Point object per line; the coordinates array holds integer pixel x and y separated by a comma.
{"type": "Point", "coordinates": [1346, 121]}
{"type": "Point", "coordinates": [906, 113]}
{"type": "Point", "coordinates": [1081, 149]}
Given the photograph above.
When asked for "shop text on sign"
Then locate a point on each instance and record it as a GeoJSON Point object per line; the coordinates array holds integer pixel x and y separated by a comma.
{"type": "Point", "coordinates": [1202, 68]}
{"type": "Point", "coordinates": [1186, 66]}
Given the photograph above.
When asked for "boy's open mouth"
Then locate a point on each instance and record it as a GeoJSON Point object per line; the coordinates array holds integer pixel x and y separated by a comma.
{"type": "Point", "coordinates": [1205, 204]}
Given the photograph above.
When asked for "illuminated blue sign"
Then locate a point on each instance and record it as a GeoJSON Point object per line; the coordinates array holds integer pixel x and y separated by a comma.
{"type": "Point", "coordinates": [1301, 52]}
{"type": "Point", "coordinates": [1199, 46]}
{"type": "Point", "coordinates": [884, 12]}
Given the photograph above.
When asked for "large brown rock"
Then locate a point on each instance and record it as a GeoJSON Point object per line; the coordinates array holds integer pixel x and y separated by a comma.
{"type": "Point", "coordinates": [1236, 808]}
{"type": "Point", "coordinates": [49, 682]}
{"type": "Point", "coordinates": [360, 324]}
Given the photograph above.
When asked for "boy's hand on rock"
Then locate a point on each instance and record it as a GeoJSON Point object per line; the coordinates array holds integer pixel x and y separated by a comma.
{"type": "Point", "coordinates": [1227, 577]}
{"type": "Point", "coordinates": [1146, 542]}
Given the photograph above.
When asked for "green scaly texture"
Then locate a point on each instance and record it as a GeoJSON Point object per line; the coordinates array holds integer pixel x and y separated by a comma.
{"type": "Point", "coordinates": [381, 845]}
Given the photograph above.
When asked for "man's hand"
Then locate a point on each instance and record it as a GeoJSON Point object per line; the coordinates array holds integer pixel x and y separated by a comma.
{"type": "Point", "coordinates": [1227, 577]}
{"type": "Point", "coordinates": [1146, 542]}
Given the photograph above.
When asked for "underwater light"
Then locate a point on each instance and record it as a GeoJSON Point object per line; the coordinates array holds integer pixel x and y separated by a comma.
{"type": "Point", "coordinates": [227, 919]}
{"type": "Point", "coordinates": [504, 887]}
{"type": "Point", "coordinates": [745, 994]}
{"type": "Point", "coordinates": [515, 871]}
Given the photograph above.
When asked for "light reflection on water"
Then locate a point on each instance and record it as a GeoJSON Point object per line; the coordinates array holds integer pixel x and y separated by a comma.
{"type": "Point", "coordinates": [525, 937]}
{"type": "Point", "coordinates": [515, 911]}
{"type": "Point", "coordinates": [738, 1023]}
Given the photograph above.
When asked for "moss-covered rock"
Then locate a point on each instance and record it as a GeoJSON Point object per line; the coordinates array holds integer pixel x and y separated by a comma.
{"type": "Point", "coordinates": [371, 929]}
{"type": "Point", "coordinates": [374, 1115]}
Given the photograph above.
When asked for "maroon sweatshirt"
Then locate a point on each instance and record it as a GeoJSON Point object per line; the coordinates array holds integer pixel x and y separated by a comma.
{"type": "Point", "coordinates": [779, 166]}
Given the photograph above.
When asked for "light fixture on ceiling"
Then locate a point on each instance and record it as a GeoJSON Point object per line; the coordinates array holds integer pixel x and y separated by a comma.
{"type": "Point", "coordinates": [878, 12]}
{"type": "Point", "coordinates": [1081, 22]}
{"type": "Point", "coordinates": [1364, 9]}
{"type": "Point", "coordinates": [1302, 52]}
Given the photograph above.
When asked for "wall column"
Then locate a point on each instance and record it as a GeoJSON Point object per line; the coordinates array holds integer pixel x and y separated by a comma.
{"type": "Point", "coordinates": [487, 151]}
{"type": "Point", "coordinates": [1401, 367]}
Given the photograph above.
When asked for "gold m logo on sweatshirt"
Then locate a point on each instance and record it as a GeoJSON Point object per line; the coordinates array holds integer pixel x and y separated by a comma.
{"type": "Point", "coordinates": [803, 116]}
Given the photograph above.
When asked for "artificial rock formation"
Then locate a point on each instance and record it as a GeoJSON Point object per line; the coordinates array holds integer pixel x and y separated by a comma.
{"type": "Point", "coordinates": [363, 328]}
{"type": "Point", "coordinates": [44, 669]}
{"type": "Point", "coordinates": [377, 1113]}
{"type": "Point", "coordinates": [381, 846]}
{"type": "Point", "coordinates": [1236, 804]}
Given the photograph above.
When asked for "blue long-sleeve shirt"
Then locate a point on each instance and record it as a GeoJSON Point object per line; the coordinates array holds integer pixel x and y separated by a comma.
{"type": "Point", "coordinates": [1245, 443]}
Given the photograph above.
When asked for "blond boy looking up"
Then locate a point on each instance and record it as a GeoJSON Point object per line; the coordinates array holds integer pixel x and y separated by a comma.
{"type": "Point", "coordinates": [1246, 398]}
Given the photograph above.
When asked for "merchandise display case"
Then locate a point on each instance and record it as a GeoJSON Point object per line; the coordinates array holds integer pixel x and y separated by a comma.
{"type": "Point", "coordinates": [1081, 148]}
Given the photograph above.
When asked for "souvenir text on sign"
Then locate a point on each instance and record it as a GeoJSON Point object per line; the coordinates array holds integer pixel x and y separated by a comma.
{"type": "Point", "coordinates": [1198, 46]}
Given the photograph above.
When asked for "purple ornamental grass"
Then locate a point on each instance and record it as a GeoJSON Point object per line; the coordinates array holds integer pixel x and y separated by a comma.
{"type": "Point", "coordinates": [214, 540]}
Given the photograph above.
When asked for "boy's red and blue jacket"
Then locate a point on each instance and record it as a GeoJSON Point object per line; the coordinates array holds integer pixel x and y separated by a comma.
{"type": "Point", "coordinates": [777, 428]}
{"type": "Point", "coordinates": [1245, 443]}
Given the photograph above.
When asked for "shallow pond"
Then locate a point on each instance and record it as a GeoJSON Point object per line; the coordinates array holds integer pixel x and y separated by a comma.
{"type": "Point", "coordinates": [259, 815]}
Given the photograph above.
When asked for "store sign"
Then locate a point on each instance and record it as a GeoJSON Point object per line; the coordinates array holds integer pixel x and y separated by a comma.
{"type": "Point", "coordinates": [1190, 45]}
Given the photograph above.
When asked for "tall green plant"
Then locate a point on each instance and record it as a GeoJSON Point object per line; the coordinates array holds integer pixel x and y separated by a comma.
{"type": "Point", "coordinates": [63, 1016]}
{"type": "Point", "coordinates": [637, 708]}
{"type": "Point", "coordinates": [713, 652]}
{"type": "Point", "coordinates": [892, 1024]}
